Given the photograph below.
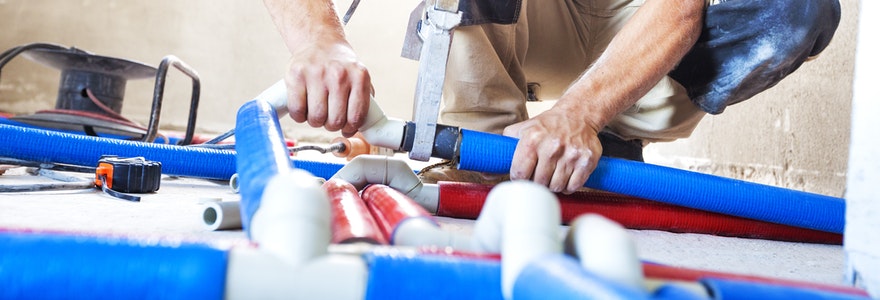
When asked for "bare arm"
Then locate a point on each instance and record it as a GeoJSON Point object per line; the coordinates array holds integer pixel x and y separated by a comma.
{"type": "Point", "coordinates": [327, 85]}
{"type": "Point", "coordinates": [560, 148]}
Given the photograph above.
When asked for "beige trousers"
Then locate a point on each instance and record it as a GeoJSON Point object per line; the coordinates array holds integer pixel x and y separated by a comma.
{"type": "Point", "coordinates": [490, 67]}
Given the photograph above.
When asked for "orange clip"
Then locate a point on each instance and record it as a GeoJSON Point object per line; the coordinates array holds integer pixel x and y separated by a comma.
{"type": "Point", "coordinates": [105, 170]}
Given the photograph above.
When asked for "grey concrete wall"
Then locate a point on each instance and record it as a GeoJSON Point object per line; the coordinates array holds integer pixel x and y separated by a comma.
{"type": "Point", "coordinates": [795, 135]}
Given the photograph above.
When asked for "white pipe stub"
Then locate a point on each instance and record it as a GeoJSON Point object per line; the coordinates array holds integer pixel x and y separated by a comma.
{"type": "Point", "coordinates": [221, 215]}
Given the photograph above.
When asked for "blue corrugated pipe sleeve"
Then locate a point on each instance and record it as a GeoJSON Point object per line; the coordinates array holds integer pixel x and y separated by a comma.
{"type": "Point", "coordinates": [561, 277]}
{"type": "Point", "coordinates": [493, 153]}
{"type": "Point", "coordinates": [432, 276]}
{"type": "Point", "coordinates": [673, 291]}
{"type": "Point", "coordinates": [170, 140]}
{"type": "Point", "coordinates": [58, 147]}
{"type": "Point", "coordinates": [42, 266]}
{"type": "Point", "coordinates": [734, 290]}
{"type": "Point", "coordinates": [261, 153]}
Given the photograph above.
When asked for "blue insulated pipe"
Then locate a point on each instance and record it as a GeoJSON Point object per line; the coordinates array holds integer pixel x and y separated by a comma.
{"type": "Point", "coordinates": [171, 140]}
{"type": "Point", "coordinates": [486, 152]}
{"type": "Point", "coordinates": [674, 291]}
{"type": "Point", "coordinates": [261, 153]}
{"type": "Point", "coordinates": [729, 289]}
{"type": "Point", "coordinates": [395, 275]}
{"type": "Point", "coordinates": [561, 277]}
{"type": "Point", "coordinates": [44, 266]}
{"type": "Point", "coordinates": [47, 146]}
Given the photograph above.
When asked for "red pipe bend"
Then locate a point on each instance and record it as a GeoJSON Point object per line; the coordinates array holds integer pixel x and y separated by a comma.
{"type": "Point", "coordinates": [390, 207]}
{"type": "Point", "coordinates": [352, 221]}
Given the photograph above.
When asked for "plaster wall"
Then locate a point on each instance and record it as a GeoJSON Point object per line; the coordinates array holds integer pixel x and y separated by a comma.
{"type": "Point", "coordinates": [795, 135]}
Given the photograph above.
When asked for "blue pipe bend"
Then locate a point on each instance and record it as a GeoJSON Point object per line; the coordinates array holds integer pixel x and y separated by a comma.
{"type": "Point", "coordinates": [486, 152]}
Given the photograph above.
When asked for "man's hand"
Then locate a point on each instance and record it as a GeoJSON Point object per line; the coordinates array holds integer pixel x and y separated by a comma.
{"type": "Point", "coordinates": [555, 150]}
{"type": "Point", "coordinates": [326, 83]}
{"type": "Point", "coordinates": [560, 147]}
{"type": "Point", "coordinates": [327, 86]}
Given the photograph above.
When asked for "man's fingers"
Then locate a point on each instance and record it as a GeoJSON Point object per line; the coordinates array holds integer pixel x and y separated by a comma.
{"type": "Point", "coordinates": [317, 98]}
{"type": "Point", "coordinates": [546, 166]}
{"type": "Point", "coordinates": [561, 176]}
{"type": "Point", "coordinates": [338, 91]}
{"type": "Point", "coordinates": [512, 130]}
{"type": "Point", "coordinates": [297, 107]}
{"type": "Point", "coordinates": [359, 98]}
{"type": "Point", "coordinates": [525, 159]}
{"type": "Point", "coordinates": [581, 171]}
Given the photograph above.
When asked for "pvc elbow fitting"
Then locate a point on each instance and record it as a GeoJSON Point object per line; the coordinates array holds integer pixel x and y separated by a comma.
{"type": "Point", "coordinates": [521, 221]}
{"type": "Point", "coordinates": [393, 172]}
{"type": "Point", "coordinates": [276, 95]}
{"type": "Point", "coordinates": [605, 248]}
{"type": "Point", "coordinates": [381, 131]}
{"type": "Point", "coordinates": [293, 221]}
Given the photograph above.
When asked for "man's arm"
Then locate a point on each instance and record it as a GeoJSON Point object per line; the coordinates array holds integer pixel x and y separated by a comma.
{"type": "Point", "coordinates": [326, 83]}
{"type": "Point", "coordinates": [560, 148]}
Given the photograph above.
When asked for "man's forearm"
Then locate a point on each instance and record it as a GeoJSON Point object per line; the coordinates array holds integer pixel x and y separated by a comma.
{"type": "Point", "coordinates": [305, 23]}
{"type": "Point", "coordinates": [658, 35]}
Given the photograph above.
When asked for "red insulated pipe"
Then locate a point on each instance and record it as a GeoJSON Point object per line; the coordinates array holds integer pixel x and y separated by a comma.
{"type": "Point", "coordinates": [352, 221]}
{"type": "Point", "coordinates": [390, 207]}
{"type": "Point", "coordinates": [684, 274]}
{"type": "Point", "coordinates": [465, 200]}
{"type": "Point", "coordinates": [458, 253]}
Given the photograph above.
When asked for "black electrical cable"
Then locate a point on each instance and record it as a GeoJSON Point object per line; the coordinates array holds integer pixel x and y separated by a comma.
{"type": "Point", "coordinates": [49, 166]}
{"type": "Point", "coordinates": [11, 53]}
{"type": "Point", "coordinates": [116, 194]}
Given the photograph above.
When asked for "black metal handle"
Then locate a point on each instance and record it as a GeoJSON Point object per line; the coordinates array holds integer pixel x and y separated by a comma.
{"type": "Point", "coordinates": [159, 91]}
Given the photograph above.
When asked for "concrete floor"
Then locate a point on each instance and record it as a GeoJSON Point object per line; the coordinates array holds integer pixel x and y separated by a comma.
{"type": "Point", "coordinates": [175, 212]}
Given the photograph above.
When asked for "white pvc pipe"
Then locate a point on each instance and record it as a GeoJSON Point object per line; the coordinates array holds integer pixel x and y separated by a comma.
{"type": "Point", "coordinates": [378, 129]}
{"type": "Point", "coordinates": [393, 172]}
{"type": "Point", "coordinates": [256, 274]}
{"type": "Point", "coordinates": [221, 215]}
{"type": "Point", "coordinates": [276, 95]}
{"type": "Point", "coordinates": [421, 232]}
{"type": "Point", "coordinates": [605, 249]}
{"type": "Point", "coordinates": [292, 231]}
{"type": "Point", "coordinates": [293, 221]}
{"type": "Point", "coordinates": [520, 219]}
{"type": "Point", "coordinates": [233, 183]}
